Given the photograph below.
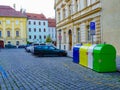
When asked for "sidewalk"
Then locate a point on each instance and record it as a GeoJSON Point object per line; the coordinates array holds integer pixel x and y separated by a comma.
{"type": "Point", "coordinates": [70, 54]}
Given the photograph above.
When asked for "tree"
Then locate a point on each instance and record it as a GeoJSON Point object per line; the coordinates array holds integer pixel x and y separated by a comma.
{"type": "Point", "coordinates": [48, 39]}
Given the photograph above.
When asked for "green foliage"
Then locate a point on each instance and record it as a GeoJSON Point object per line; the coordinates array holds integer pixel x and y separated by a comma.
{"type": "Point", "coordinates": [48, 39]}
{"type": "Point", "coordinates": [28, 42]}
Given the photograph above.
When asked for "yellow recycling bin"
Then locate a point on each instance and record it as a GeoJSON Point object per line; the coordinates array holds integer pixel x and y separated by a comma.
{"type": "Point", "coordinates": [84, 55]}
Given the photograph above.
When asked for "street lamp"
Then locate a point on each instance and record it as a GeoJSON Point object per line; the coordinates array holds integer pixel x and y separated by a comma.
{"type": "Point", "coordinates": [59, 37]}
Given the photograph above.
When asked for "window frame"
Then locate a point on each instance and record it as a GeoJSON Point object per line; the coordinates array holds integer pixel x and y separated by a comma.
{"type": "Point", "coordinates": [8, 33]}
{"type": "Point", "coordinates": [17, 33]}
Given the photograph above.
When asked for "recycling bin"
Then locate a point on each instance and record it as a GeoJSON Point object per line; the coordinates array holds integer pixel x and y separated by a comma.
{"type": "Point", "coordinates": [104, 58]}
{"type": "Point", "coordinates": [84, 55]}
{"type": "Point", "coordinates": [76, 53]}
{"type": "Point", "coordinates": [90, 56]}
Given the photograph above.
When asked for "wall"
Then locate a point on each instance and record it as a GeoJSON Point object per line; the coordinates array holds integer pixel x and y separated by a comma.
{"type": "Point", "coordinates": [37, 33]}
{"type": "Point", "coordinates": [12, 27]}
{"type": "Point", "coordinates": [110, 21]}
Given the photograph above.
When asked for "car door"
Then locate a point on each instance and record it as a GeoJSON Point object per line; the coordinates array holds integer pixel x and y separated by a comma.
{"type": "Point", "coordinates": [45, 50]}
{"type": "Point", "coordinates": [52, 50]}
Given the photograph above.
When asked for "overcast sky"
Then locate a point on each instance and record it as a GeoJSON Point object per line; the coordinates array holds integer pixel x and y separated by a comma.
{"type": "Point", "coordinates": [33, 6]}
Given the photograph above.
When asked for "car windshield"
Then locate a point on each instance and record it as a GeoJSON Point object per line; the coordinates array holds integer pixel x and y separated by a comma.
{"type": "Point", "coordinates": [52, 48]}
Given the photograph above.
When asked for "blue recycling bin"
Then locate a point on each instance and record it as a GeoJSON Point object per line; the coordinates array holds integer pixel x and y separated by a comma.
{"type": "Point", "coordinates": [76, 53]}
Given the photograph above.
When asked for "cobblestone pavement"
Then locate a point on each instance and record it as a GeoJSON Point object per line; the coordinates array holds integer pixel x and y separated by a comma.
{"type": "Point", "coordinates": [27, 72]}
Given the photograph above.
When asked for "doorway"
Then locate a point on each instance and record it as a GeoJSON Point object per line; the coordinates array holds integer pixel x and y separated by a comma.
{"type": "Point", "coordinates": [1, 44]}
{"type": "Point", "coordinates": [70, 39]}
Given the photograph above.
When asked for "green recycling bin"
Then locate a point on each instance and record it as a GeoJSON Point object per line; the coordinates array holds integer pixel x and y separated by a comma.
{"type": "Point", "coordinates": [104, 58]}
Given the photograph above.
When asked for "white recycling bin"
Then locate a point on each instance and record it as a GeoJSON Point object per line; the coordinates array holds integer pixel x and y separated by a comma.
{"type": "Point", "coordinates": [90, 56]}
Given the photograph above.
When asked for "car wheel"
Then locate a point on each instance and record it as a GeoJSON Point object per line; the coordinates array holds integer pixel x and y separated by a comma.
{"type": "Point", "coordinates": [60, 54]}
{"type": "Point", "coordinates": [65, 55]}
{"type": "Point", "coordinates": [41, 54]}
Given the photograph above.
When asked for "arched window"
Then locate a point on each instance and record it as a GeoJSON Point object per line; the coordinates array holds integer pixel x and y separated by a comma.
{"type": "Point", "coordinates": [0, 33]}
{"type": "Point", "coordinates": [17, 33]}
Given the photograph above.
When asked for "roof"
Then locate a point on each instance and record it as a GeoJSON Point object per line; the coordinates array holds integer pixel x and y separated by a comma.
{"type": "Point", "coordinates": [10, 12]}
{"type": "Point", "coordinates": [51, 22]}
{"type": "Point", "coordinates": [36, 16]}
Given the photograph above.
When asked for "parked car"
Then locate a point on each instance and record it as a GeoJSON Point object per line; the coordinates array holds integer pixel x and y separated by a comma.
{"type": "Point", "coordinates": [27, 46]}
{"type": "Point", "coordinates": [30, 47]}
{"type": "Point", "coordinates": [21, 46]}
{"type": "Point", "coordinates": [10, 46]}
{"type": "Point", "coordinates": [48, 50]}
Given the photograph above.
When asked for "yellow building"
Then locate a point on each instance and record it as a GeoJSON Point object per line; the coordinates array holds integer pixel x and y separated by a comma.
{"type": "Point", "coordinates": [73, 19]}
{"type": "Point", "coordinates": [12, 26]}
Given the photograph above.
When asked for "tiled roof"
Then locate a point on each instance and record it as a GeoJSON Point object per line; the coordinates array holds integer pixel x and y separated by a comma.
{"type": "Point", "coordinates": [36, 16]}
{"type": "Point", "coordinates": [51, 22]}
{"type": "Point", "coordinates": [10, 12]}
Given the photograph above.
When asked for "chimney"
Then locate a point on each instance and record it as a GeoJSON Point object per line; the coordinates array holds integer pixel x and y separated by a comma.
{"type": "Point", "coordinates": [24, 12]}
{"type": "Point", "coordinates": [14, 6]}
{"type": "Point", "coordinates": [21, 10]}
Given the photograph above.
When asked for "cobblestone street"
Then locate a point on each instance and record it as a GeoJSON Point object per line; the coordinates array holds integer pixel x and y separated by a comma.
{"type": "Point", "coordinates": [27, 72]}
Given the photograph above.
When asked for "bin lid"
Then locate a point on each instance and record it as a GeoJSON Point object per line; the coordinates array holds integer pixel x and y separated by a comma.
{"type": "Point", "coordinates": [104, 49]}
{"type": "Point", "coordinates": [85, 47]}
{"type": "Point", "coordinates": [90, 49]}
{"type": "Point", "coordinates": [77, 46]}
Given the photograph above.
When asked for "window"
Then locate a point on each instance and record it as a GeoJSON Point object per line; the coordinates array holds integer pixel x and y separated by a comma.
{"type": "Point", "coordinates": [17, 22]}
{"type": "Point", "coordinates": [76, 5]}
{"type": "Point", "coordinates": [29, 22]}
{"type": "Point", "coordinates": [34, 29]}
{"type": "Point", "coordinates": [44, 30]}
{"type": "Point", "coordinates": [43, 23]}
{"type": "Point", "coordinates": [39, 29]}
{"type": "Point", "coordinates": [64, 13]}
{"type": "Point", "coordinates": [89, 36]}
{"type": "Point", "coordinates": [59, 16]}
{"type": "Point", "coordinates": [78, 35]}
{"type": "Point", "coordinates": [29, 29]}
{"type": "Point", "coordinates": [0, 22]}
{"type": "Point", "coordinates": [34, 36]}
{"type": "Point", "coordinates": [44, 37]}
{"type": "Point", "coordinates": [34, 23]}
{"type": "Point", "coordinates": [52, 35]}
{"type": "Point", "coordinates": [0, 34]}
{"type": "Point", "coordinates": [17, 42]}
{"type": "Point", "coordinates": [39, 23]}
{"type": "Point", "coordinates": [88, 2]}
{"type": "Point", "coordinates": [64, 37]}
{"type": "Point", "coordinates": [8, 22]}
{"type": "Point", "coordinates": [8, 33]}
{"type": "Point", "coordinates": [52, 29]}
{"type": "Point", "coordinates": [17, 33]}
{"type": "Point", "coordinates": [30, 37]}
{"type": "Point", "coordinates": [70, 9]}
{"type": "Point", "coordinates": [9, 42]}
{"type": "Point", "coordinates": [40, 37]}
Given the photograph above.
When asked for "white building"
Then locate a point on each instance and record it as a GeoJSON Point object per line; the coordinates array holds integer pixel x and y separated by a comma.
{"type": "Point", "coordinates": [38, 28]}
{"type": "Point", "coordinates": [52, 29]}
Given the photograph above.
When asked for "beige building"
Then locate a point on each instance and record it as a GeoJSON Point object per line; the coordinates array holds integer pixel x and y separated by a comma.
{"type": "Point", "coordinates": [73, 19]}
{"type": "Point", "coordinates": [12, 26]}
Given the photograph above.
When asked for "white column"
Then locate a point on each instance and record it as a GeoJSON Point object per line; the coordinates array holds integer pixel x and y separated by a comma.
{"type": "Point", "coordinates": [83, 32]}
{"type": "Point", "coordinates": [13, 30]}
{"type": "Point", "coordinates": [4, 29]}
{"type": "Point", "coordinates": [73, 6]}
{"type": "Point", "coordinates": [21, 30]}
{"type": "Point", "coordinates": [74, 35]}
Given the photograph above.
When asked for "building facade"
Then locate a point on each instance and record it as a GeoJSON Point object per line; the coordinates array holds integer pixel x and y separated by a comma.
{"type": "Point", "coordinates": [73, 19]}
{"type": "Point", "coordinates": [52, 29]}
{"type": "Point", "coordinates": [39, 27]}
{"type": "Point", "coordinates": [12, 26]}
